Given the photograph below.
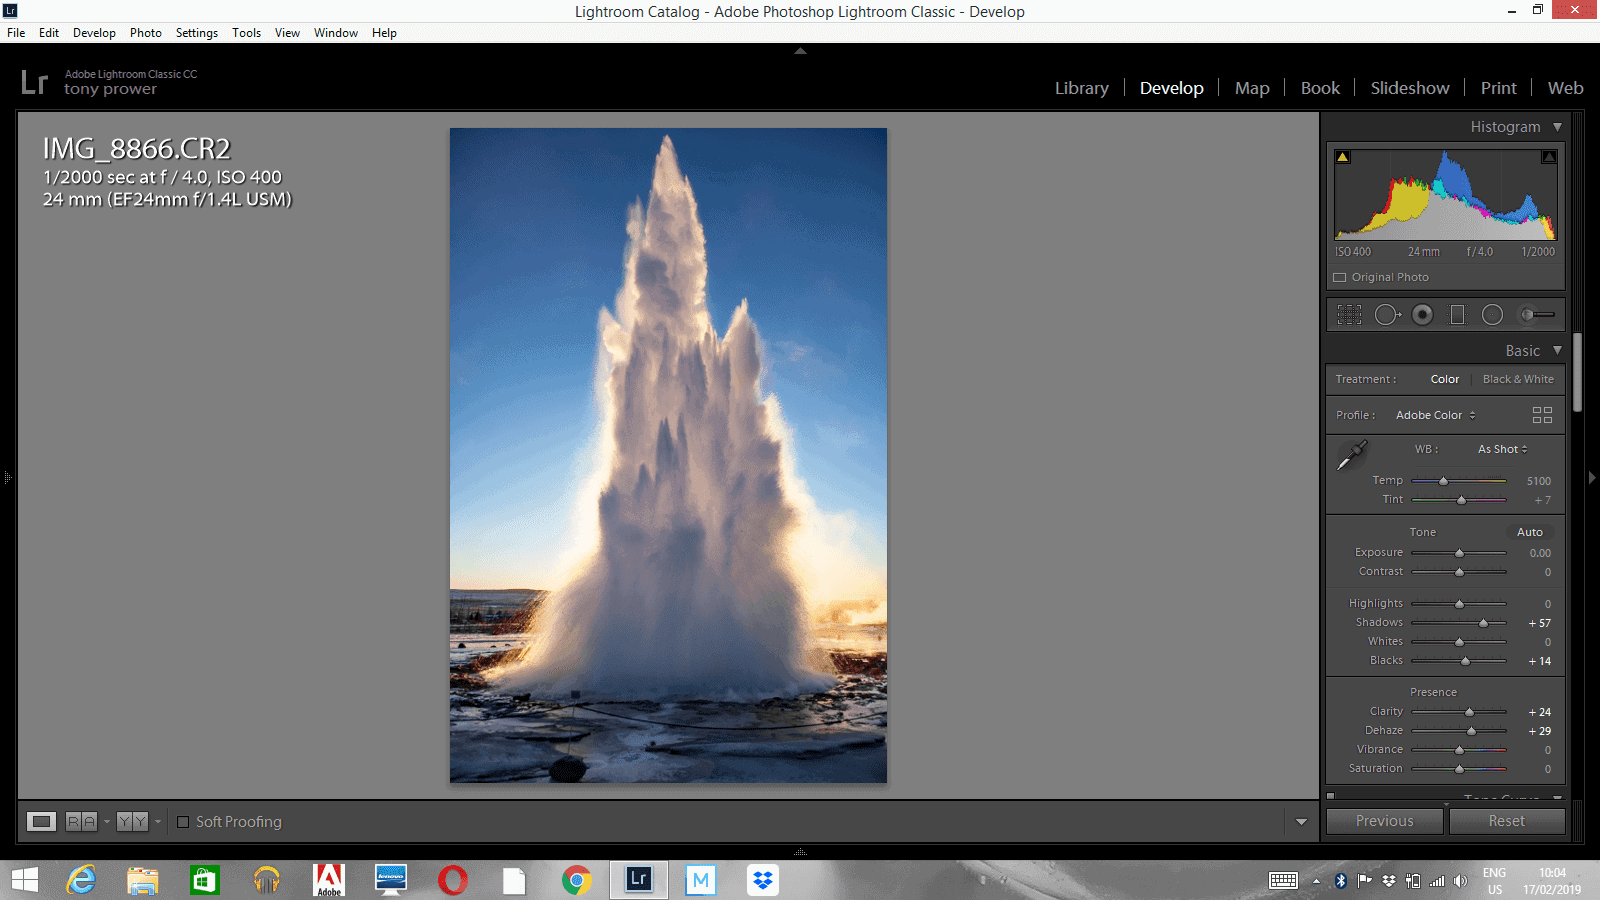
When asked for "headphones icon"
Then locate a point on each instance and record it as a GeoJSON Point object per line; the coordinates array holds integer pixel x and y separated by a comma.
{"type": "Point", "coordinates": [266, 879]}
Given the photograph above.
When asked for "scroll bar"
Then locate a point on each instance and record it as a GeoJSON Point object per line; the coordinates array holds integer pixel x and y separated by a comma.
{"type": "Point", "coordinates": [1577, 371]}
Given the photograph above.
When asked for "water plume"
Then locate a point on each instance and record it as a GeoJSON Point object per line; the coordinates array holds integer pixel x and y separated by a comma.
{"type": "Point", "coordinates": [691, 588]}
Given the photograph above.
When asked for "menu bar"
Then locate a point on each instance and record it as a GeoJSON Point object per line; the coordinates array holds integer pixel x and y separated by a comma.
{"type": "Point", "coordinates": [119, 30]}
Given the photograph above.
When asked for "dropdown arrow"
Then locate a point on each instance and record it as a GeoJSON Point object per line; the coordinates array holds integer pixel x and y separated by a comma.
{"type": "Point", "coordinates": [1299, 821]}
{"type": "Point", "coordinates": [1558, 349]}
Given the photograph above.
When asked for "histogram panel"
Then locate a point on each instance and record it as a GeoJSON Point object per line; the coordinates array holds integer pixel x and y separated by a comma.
{"type": "Point", "coordinates": [1446, 195]}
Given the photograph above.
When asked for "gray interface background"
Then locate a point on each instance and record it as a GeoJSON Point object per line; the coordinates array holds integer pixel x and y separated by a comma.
{"type": "Point", "coordinates": [233, 461]}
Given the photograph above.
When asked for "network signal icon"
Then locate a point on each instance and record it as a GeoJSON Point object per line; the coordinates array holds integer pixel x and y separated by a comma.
{"type": "Point", "coordinates": [327, 880]}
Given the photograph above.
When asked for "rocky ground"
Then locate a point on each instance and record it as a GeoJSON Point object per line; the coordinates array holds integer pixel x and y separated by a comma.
{"type": "Point", "coordinates": [497, 736]}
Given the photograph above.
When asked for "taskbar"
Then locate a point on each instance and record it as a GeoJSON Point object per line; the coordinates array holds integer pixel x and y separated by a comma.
{"type": "Point", "coordinates": [638, 875]}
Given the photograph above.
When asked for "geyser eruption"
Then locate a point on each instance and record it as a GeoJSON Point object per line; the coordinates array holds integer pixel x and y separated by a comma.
{"type": "Point", "coordinates": [690, 590]}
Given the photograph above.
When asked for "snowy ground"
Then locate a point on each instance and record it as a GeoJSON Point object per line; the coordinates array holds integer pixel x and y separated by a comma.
{"type": "Point", "coordinates": [505, 737]}
{"type": "Point", "coordinates": [482, 644]}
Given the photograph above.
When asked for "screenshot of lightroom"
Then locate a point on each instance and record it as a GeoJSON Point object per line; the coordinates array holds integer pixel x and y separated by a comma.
{"type": "Point", "coordinates": [524, 449]}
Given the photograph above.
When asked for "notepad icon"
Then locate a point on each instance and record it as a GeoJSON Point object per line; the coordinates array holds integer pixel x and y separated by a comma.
{"type": "Point", "coordinates": [143, 882]}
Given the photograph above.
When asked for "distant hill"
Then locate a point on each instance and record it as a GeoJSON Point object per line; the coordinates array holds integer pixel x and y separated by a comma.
{"type": "Point", "coordinates": [497, 597]}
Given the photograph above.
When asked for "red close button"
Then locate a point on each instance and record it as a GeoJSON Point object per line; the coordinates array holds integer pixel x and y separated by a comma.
{"type": "Point", "coordinates": [1572, 9]}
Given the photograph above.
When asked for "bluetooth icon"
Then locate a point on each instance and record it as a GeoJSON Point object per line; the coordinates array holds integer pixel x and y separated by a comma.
{"type": "Point", "coordinates": [1339, 881]}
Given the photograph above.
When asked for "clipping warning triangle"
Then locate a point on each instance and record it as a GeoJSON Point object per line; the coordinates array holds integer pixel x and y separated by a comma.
{"type": "Point", "coordinates": [1341, 156]}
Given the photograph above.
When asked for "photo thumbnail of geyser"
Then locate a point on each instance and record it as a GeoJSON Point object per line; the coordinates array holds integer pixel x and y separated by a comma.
{"type": "Point", "coordinates": [669, 526]}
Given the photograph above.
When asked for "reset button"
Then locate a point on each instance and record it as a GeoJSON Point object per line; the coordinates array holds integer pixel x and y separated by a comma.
{"type": "Point", "coordinates": [1508, 821]}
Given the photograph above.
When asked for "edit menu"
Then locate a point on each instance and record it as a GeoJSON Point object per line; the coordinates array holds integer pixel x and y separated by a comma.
{"type": "Point", "coordinates": [1450, 359]}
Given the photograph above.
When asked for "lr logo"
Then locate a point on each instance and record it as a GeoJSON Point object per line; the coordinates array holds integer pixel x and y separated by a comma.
{"type": "Point", "coordinates": [40, 81]}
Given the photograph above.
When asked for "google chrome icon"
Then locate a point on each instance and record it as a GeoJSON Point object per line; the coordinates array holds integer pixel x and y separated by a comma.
{"type": "Point", "coordinates": [577, 880]}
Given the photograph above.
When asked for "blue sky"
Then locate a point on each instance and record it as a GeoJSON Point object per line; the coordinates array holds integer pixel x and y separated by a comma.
{"type": "Point", "coordinates": [795, 220]}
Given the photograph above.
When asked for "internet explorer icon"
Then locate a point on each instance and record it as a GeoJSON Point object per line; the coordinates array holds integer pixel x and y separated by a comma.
{"type": "Point", "coordinates": [82, 879]}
